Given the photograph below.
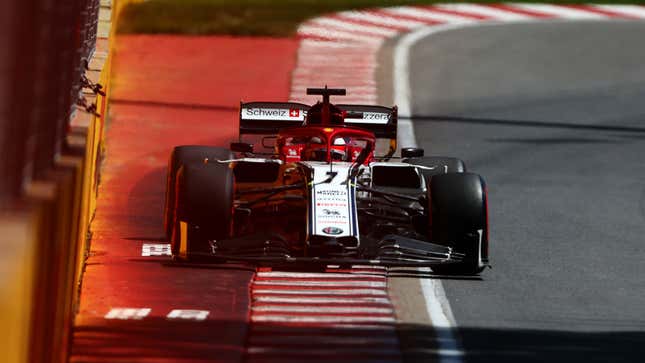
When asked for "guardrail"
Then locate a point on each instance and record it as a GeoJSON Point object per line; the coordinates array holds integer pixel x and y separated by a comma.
{"type": "Point", "coordinates": [51, 126]}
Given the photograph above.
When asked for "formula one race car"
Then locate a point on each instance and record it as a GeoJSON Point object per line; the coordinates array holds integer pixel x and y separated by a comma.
{"type": "Point", "coordinates": [318, 194]}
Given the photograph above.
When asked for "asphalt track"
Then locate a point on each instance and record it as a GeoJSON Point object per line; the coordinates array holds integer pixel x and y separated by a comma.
{"type": "Point", "coordinates": [553, 115]}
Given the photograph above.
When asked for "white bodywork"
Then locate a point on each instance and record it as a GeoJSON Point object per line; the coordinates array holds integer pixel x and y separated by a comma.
{"type": "Point", "coordinates": [333, 203]}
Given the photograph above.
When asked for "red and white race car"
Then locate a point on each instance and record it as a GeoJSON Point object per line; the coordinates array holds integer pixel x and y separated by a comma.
{"type": "Point", "coordinates": [315, 191]}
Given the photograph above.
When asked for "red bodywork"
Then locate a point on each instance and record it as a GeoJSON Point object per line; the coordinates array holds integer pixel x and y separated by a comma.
{"type": "Point", "coordinates": [324, 137]}
{"type": "Point", "coordinates": [323, 143]}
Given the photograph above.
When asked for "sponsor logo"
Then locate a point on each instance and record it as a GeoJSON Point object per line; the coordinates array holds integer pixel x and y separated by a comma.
{"type": "Point", "coordinates": [371, 118]}
{"type": "Point", "coordinates": [277, 114]}
{"type": "Point", "coordinates": [375, 116]}
{"type": "Point", "coordinates": [331, 192]}
{"type": "Point", "coordinates": [334, 231]}
{"type": "Point", "coordinates": [331, 212]}
{"type": "Point", "coordinates": [265, 112]}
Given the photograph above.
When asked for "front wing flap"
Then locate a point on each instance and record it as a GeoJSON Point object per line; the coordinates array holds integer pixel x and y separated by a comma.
{"type": "Point", "coordinates": [390, 251]}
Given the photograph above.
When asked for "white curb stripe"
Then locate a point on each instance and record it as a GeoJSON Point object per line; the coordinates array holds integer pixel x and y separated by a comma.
{"type": "Point", "coordinates": [321, 319]}
{"type": "Point", "coordinates": [336, 352]}
{"type": "Point", "coordinates": [372, 329]}
{"type": "Point", "coordinates": [428, 14]}
{"type": "Point", "coordinates": [487, 11]}
{"type": "Point", "coordinates": [325, 32]}
{"type": "Point", "coordinates": [306, 340]}
{"type": "Point", "coordinates": [317, 302]}
{"type": "Point", "coordinates": [310, 275]}
{"type": "Point", "coordinates": [628, 10]}
{"type": "Point", "coordinates": [353, 27]}
{"type": "Point", "coordinates": [320, 292]}
{"type": "Point", "coordinates": [383, 19]}
{"type": "Point", "coordinates": [322, 309]}
{"type": "Point", "coordinates": [319, 283]}
{"type": "Point", "coordinates": [560, 11]}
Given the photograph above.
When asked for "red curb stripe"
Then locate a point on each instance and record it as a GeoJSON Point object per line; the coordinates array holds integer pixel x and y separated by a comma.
{"type": "Point", "coordinates": [323, 279]}
{"type": "Point", "coordinates": [454, 12]}
{"type": "Point", "coordinates": [511, 9]}
{"type": "Point", "coordinates": [322, 314]}
{"type": "Point", "coordinates": [343, 18]}
{"type": "Point", "coordinates": [412, 17]}
{"type": "Point", "coordinates": [333, 28]}
{"type": "Point", "coordinates": [593, 10]}
{"type": "Point", "coordinates": [316, 287]}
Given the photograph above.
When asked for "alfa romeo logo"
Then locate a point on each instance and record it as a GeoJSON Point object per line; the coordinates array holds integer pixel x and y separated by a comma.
{"type": "Point", "coordinates": [332, 230]}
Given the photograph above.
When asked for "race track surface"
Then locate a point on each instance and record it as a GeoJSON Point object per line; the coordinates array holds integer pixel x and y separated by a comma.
{"type": "Point", "coordinates": [553, 116]}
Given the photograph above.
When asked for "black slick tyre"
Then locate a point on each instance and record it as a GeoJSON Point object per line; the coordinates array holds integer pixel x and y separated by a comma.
{"type": "Point", "coordinates": [459, 218]}
{"type": "Point", "coordinates": [181, 155]}
{"type": "Point", "coordinates": [204, 208]}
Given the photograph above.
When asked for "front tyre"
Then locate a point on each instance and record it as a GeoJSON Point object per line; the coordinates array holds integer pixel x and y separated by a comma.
{"type": "Point", "coordinates": [204, 208]}
{"type": "Point", "coordinates": [182, 155]}
{"type": "Point", "coordinates": [459, 218]}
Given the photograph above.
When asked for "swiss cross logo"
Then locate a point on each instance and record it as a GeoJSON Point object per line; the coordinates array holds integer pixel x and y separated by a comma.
{"type": "Point", "coordinates": [294, 112]}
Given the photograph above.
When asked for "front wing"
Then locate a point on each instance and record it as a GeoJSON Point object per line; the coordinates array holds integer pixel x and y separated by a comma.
{"type": "Point", "coordinates": [390, 251]}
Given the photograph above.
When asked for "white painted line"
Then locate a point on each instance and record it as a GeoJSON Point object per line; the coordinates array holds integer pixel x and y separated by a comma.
{"type": "Point", "coordinates": [427, 14]}
{"type": "Point", "coordinates": [320, 292]}
{"type": "Point", "coordinates": [442, 319]}
{"type": "Point", "coordinates": [437, 304]}
{"type": "Point", "coordinates": [322, 319]}
{"type": "Point", "coordinates": [127, 313]}
{"type": "Point", "coordinates": [155, 249]}
{"type": "Point", "coordinates": [183, 314]}
{"type": "Point", "coordinates": [322, 309]}
{"type": "Point", "coordinates": [320, 283]}
{"type": "Point", "coordinates": [323, 300]}
{"type": "Point", "coordinates": [560, 11]}
{"type": "Point", "coordinates": [629, 10]}
{"type": "Point", "coordinates": [310, 275]}
{"type": "Point", "coordinates": [483, 10]}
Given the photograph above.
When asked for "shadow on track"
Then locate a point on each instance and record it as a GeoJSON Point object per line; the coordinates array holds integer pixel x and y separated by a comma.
{"type": "Point", "coordinates": [523, 123]}
{"type": "Point", "coordinates": [153, 339]}
{"type": "Point", "coordinates": [189, 106]}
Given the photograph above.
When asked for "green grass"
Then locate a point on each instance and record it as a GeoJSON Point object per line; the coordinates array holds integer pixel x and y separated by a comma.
{"type": "Point", "coordinates": [245, 17]}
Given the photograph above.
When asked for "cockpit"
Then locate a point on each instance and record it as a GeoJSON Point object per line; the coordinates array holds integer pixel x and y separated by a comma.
{"type": "Point", "coordinates": [337, 146]}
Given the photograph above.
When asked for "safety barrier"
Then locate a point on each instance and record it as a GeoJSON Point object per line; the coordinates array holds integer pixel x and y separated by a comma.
{"type": "Point", "coordinates": [49, 173]}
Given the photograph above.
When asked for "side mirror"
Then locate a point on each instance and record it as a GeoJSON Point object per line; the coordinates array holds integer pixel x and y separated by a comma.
{"type": "Point", "coordinates": [241, 147]}
{"type": "Point", "coordinates": [411, 152]}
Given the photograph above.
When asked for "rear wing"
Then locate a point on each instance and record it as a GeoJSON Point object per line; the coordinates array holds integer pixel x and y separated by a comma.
{"type": "Point", "coordinates": [268, 118]}
{"type": "Point", "coordinates": [261, 118]}
{"type": "Point", "coordinates": [380, 120]}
